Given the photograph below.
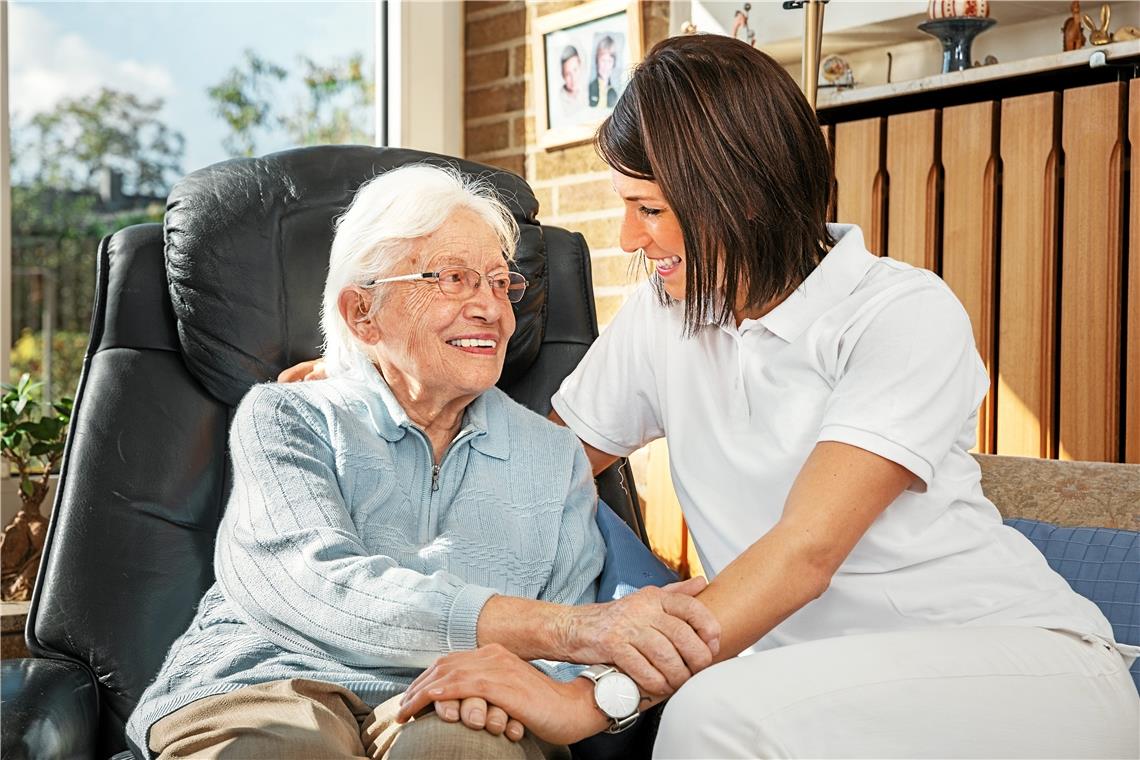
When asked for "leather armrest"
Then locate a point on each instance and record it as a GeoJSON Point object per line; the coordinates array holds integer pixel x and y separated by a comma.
{"type": "Point", "coordinates": [50, 709]}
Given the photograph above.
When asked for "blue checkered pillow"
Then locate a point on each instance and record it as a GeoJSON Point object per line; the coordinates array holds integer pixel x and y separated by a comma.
{"type": "Point", "coordinates": [1100, 564]}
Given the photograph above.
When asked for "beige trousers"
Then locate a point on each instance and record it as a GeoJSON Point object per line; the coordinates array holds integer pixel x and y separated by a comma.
{"type": "Point", "coordinates": [948, 693]}
{"type": "Point", "coordinates": [310, 720]}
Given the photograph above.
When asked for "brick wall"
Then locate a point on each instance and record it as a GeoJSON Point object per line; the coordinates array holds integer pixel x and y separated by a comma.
{"type": "Point", "coordinates": [573, 189]}
{"type": "Point", "coordinates": [572, 184]}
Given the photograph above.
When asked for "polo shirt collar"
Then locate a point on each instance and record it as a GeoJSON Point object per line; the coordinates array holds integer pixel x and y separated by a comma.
{"type": "Point", "coordinates": [836, 277]}
{"type": "Point", "coordinates": [392, 422]}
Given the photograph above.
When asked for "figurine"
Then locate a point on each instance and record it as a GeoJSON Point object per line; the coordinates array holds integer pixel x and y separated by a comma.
{"type": "Point", "coordinates": [740, 28]}
{"type": "Point", "coordinates": [1100, 36]}
{"type": "Point", "coordinates": [1126, 33]}
{"type": "Point", "coordinates": [1072, 31]}
{"type": "Point", "coordinates": [837, 72]}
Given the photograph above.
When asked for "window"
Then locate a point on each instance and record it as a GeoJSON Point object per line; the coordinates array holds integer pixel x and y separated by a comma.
{"type": "Point", "coordinates": [109, 104]}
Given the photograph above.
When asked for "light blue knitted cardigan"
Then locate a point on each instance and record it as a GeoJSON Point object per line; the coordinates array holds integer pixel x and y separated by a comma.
{"type": "Point", "coordinates": [345, 556]}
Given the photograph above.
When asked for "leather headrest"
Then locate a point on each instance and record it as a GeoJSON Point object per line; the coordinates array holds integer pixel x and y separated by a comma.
{"type": "Point", "coordinates": [247, 245]}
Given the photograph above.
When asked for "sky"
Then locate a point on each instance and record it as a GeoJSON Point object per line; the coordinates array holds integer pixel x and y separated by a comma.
{"type": "Point", "coordinates": [172, 50]}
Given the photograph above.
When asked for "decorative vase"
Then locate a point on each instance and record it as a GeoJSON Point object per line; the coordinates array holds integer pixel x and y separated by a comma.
{"type": "Point", "coordinates": [958, 9]}
{"type": "Point", "coordinates": [957, 37]}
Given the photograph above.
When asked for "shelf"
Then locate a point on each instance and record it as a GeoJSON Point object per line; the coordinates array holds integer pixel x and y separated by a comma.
{"type": "Point", "coordinates": [852, 25]}
{"type": "Point", "coordinates": [1114, 52]}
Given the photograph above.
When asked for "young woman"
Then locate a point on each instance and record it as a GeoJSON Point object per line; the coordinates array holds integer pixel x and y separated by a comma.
{"type": "Point", "coordinates": [819, 403]}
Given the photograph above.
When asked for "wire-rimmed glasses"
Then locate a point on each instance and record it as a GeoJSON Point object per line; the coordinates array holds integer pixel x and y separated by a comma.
{"type": "Point", "coordinates": [461, 282]}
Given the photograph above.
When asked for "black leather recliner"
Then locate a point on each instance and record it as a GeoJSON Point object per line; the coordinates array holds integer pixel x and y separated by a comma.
{"type": "Point", "coordinates": [187, 317]}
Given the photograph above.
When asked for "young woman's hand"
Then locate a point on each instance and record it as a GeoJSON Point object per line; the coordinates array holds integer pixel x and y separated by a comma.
{"type": "Point", "coordinates": [480, 716]}
{"type": "Point", "coordinates": [314, 369]}
{"type": "Point", "coordinates": [560, 713]}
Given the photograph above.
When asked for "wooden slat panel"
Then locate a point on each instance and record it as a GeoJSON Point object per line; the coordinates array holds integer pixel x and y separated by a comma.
{"type": "Point", "coordinates": [912, 195]}
{"type": "Point", "coordinates": [1092, 241]}
{"type": "Point", "coordinates": [663, 520]}
{"type": "Point", "coordinates": [969, 224]}
{"type": "Point", "coordinates": [1132, 327]}
{"type": "Point", "coordinates": [1030, 136]}
{"type": "Point", "coordinates": [829, 138]}
{"type": "Point", "coordinates": [859, 178]}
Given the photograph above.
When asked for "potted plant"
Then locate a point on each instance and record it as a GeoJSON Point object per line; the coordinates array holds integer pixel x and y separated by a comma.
{"type": "Point", "coordinates": [33, 442]}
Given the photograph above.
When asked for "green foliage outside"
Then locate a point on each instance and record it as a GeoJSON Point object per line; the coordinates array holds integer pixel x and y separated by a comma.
{"type": "Point", "coordinates": [336, 107]}
{"type": "Point", "coordinates": [59, 156]}
{"type": "Point", "coordinates": [110, 129]}
{"type": "Point", "coordinates": [68, 348]}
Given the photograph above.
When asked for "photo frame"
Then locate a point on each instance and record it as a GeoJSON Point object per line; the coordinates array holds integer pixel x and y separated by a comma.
{"type": "Point", "coordinates": [582, 58]}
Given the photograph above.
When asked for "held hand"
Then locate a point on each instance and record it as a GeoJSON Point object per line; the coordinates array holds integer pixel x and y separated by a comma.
{"type": "Point", "coordinates": [659, 637]}
{"type": "Point", "coordinates": [560, 713]}
{"type": "Point", "coordinates": [478, 715]}
{"type": "Point", "coordinates": [314, 369]}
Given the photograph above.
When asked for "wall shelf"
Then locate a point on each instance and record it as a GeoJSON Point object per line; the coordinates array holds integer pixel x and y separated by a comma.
{"type": "Point", "coordinates": [1115, 52]}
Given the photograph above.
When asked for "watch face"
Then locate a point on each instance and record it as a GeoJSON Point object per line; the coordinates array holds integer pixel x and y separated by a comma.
{"type": "Point", "coordinates": [617, 695]}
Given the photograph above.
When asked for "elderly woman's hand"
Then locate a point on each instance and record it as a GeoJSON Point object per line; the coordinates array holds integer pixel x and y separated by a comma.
{"type": "Point", "coordinates": [660, 637]}
{"type": "Point", "coordinates": [314, 369]}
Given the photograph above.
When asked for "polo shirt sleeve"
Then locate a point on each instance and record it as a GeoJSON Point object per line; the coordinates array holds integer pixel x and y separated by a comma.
{"type": "Point", "coordinates": [610, 400]}
{"type": "Point", "coordinates": [909, 379]}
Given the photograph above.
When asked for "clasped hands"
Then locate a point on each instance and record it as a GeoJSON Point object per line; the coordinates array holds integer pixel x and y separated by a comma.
{"type": "Point", "coordinates": [660, 637]}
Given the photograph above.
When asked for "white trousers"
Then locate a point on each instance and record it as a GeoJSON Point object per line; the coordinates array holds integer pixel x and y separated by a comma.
{"type": "Point", "coordinates": [948, 693]}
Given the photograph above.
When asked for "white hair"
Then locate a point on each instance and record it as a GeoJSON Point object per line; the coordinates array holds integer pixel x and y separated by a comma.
{"type": "Point", "coordinates": [386, 218]}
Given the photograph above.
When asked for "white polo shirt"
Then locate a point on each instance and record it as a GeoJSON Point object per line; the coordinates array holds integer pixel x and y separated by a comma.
{"type": "Point", "coordinates": [867, 351]}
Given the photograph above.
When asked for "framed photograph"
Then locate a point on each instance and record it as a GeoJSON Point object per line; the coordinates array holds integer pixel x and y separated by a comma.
{"type": "Point", "coordinates": [582, 59]}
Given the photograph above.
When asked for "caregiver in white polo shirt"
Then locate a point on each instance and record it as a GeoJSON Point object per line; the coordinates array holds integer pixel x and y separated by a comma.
{"type": "Point", "coordinates": [819, 425]}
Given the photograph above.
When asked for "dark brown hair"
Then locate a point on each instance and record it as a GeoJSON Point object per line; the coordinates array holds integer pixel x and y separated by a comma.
{"type": "Point", "coordinates": [739, 156]}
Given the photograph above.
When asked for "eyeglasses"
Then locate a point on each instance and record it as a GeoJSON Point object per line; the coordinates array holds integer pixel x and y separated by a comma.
{"type": "Point", "coordinates": [461, 282]}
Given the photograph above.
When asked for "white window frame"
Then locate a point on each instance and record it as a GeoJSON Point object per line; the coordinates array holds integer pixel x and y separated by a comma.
{"type": "Point", "coordinates": [5, 203]}
{"type": "Point", "coordinates": [423, 89]}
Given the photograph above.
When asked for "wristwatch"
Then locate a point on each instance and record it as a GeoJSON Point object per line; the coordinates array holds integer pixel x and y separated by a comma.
{"type": "Point", "coordinates": [616, 695]}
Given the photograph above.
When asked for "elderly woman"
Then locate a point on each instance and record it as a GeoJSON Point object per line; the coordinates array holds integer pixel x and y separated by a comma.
{"type": "Point", "coordinates": [402, 509]}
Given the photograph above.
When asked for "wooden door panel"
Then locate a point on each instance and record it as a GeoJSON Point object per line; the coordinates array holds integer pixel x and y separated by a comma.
{"type": "Point", "coordinates": [969, 230]}
{"type": "Point", "coordinates": [1030, 153]}
{"type": "Point", "coordinates": [1092, 247]}
{"type": "Point", "coordinates": [859, 178]}
{"type": "Point", "coordinates": [828, 132]}
{"type": "Point", "coordinates": [912, 189]}
{"type": "Point", "coordinates": [1132, 325]}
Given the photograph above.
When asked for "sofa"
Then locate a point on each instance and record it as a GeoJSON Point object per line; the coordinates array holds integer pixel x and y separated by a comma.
{"type": "Point", "coordinates": [1084, 517]}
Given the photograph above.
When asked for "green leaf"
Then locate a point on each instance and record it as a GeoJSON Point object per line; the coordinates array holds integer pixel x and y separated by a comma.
{"type": "Point", "coordinates": [27, 487]}
{"type": "Point", "coordinates": [44, 429]}
{"type": "Point", "coordinates": [40, 448]}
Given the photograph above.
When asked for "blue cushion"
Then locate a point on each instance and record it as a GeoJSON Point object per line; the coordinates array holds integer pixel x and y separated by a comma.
{"type": "Point", "coordinates": [629, 563]}
{"type": "Point", "coordinates": [1101, 564]}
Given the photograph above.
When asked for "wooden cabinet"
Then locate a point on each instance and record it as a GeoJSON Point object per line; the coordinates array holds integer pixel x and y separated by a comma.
{"type": "Point", "coordinates": [1023, 205]}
